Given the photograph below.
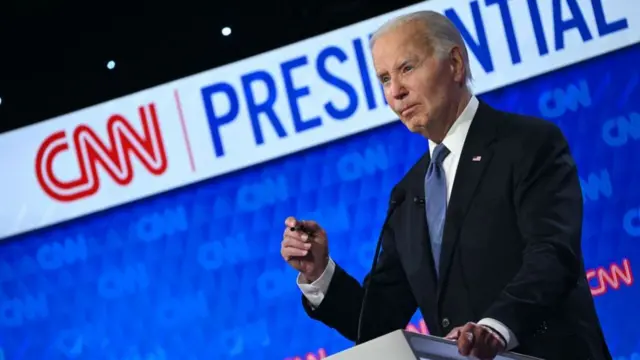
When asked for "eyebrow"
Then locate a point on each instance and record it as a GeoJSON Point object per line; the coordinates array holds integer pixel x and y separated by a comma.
{"type": "Point", "coordinates": [399, 66]}
{"type": "Point", "coordinates": [404, 63]}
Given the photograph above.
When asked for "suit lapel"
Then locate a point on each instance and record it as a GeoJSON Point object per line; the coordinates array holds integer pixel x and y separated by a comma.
{"type": "Point", "coordinates": [475, 157]}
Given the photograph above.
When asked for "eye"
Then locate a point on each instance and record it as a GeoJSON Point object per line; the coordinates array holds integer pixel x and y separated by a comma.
{"type": "Point", "coordinates": [385, 79]}
{"type": "Point", "coordinates": [407, 68]}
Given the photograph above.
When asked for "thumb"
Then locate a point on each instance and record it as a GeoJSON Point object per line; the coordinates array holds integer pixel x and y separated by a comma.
{"type": "Point", "coordinates": [453, 334]}
{"type": "Point", "coordinates": [290, 221]}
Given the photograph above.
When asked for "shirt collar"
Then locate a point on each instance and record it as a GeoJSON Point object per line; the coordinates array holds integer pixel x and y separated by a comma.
{"type": "Point", "coordinates": [454, 140]}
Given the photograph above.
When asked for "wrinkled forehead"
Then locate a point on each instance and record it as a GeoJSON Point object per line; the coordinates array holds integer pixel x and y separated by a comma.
{"type": "Point", "coordinates": [401, 41]}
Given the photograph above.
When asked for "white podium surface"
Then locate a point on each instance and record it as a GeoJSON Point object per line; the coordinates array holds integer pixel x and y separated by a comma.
{"type": "Point", "coordinates": [405, 345]}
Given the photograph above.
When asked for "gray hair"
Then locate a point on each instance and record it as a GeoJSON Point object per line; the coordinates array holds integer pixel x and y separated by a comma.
{"type": "Point", "coordinates": [439, 32]}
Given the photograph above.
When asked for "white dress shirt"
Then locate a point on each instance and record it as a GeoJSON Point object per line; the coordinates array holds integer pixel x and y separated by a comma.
{"type": "Point", "coordinates": [454, 141]}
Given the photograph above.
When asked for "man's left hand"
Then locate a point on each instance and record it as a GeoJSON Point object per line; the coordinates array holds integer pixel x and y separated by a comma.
{"type": "Point", "coordinates": [477, 341]}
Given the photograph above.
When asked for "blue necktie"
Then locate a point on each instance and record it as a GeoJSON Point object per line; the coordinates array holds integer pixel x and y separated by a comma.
{"type": "Point", "coordinates": [435, 189]}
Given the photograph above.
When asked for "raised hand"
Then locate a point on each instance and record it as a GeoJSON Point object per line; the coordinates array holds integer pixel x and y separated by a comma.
{"type": "Point", "coordinates": [305, 247]}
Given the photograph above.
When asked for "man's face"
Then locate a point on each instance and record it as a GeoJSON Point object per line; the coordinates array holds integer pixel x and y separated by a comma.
{"type": "Point", "coordinates": [418, 86]}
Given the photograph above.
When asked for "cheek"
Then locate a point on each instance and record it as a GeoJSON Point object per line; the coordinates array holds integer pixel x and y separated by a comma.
{"type": "Point", "coordinates": [430, 92]}
{"type": "Point", "coordinates": [433, 98]}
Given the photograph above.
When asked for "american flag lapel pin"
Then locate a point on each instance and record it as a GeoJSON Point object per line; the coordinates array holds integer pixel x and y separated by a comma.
{"type": "Point", "coordinates": [476, 158]}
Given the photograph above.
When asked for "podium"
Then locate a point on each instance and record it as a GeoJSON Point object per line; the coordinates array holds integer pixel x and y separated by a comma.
{"type": "Point", "coordinates": [405, 345]}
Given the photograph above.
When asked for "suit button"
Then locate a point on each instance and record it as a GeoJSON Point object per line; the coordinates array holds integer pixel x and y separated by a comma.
{"type": "Point", "coordinates": [445, 323]}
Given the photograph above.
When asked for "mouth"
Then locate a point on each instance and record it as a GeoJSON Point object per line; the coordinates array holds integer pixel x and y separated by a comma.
{"type": "Point", "coordinates": [407, 110]}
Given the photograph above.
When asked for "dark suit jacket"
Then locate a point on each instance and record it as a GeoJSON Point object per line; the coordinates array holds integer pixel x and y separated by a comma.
{"type": "Point", "coordinates": [511, 248]}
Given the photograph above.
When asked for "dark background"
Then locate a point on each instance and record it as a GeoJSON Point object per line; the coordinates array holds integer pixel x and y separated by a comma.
{"type": "Point", "coordinates": [53, 53]}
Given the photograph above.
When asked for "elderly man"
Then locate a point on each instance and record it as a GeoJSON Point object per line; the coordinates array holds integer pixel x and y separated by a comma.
{"type": "Point", "coordinates": [487, 244]}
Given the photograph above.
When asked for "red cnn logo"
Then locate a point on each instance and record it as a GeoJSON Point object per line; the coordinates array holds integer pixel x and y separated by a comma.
{"type": "Point", "coordinates": [114, 157]}
{"type": "Point", "coordinates": [611, 279]}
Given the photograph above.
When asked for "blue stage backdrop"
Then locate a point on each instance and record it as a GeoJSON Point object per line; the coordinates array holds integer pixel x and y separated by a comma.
{"type": "Point", "coordinates": [195, 273]}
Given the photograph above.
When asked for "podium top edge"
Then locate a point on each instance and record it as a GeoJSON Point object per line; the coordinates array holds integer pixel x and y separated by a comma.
{"type": "Point", "coordinates": [422, 345]}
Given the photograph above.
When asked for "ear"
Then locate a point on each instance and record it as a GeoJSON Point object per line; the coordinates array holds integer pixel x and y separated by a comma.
{"type": "Point", "coordinates": [456, 62]}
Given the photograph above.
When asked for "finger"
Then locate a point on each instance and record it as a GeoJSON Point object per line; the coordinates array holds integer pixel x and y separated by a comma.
{"type": "Point", "coordinates": [295, 242]}
{"type": "Point", "coordinates": [300, 235]}
{"type": "Point", "coordinates": [290, 222]}
{"type": "Point", "coordinates": [289, 252]}
{"type": "Point", "coordinates": [453, 334]}
{"type": "Point", "coordinates": [298, 231]}
{"type": "Point", "coordinates": [466, 339]}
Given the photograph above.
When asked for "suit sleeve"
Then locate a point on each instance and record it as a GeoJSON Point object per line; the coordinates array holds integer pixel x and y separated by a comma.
{"type": "Point", "coordinates": [390, 302]}
{"type": "Point", "coordinates": [548, 201]}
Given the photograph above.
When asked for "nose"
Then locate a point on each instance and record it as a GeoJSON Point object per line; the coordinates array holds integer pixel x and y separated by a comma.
{"type": "Point", "coordinates": [397, 90]}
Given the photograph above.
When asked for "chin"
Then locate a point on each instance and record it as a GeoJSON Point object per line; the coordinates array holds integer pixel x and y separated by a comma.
{"type": "Point", "coordinates": [409, 125]}
{"type": "Point", "coordinates": [415, 125]}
